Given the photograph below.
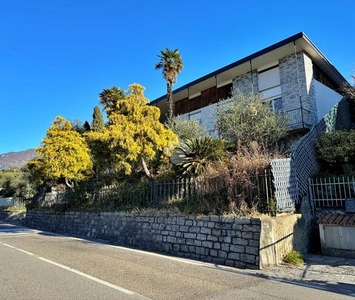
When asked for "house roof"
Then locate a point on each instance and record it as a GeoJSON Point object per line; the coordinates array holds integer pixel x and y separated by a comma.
{"type": "Point", "coordinates": [340, 219]}
{"type": "Point", "coordinates": [298, 42]}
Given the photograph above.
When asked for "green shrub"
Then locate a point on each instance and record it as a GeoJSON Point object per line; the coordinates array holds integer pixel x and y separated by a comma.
{"type": "Point", "coordinates": [247, 118]}
{"type": "Point", "coordinates": [187, 129]}
{"type": "Point", "coordinates": [336, 151]}
{"type": "Point", "coordinates": [294, 258]}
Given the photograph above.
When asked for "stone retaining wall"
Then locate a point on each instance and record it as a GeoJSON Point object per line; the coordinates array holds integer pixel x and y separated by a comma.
{"type": "Point", "coordinates": [12, 216]}
{"type": "Point", "coordinates": [238, 242]}
{"type": "Point", "coordinates": [217, 239]}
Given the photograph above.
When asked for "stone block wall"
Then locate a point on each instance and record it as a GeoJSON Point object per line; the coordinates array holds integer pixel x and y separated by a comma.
{"type": "Point", "coordinates": [246, 83]}
{"type": "Point", "coordinates": [296, 80]}
{"type": "Point", "coordinates": [296, 74]}
{"type": "Point", "coordinates": [311, 101]}
{"type": "Point", "coordinates": [221, 240]}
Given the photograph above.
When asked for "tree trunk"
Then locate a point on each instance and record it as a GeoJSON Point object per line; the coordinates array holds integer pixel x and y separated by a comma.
{"type": "Point", "coordinates": [70, 184]}
{"type": "Point", "coordinates": [170, 103]}
{"type": "Point", "coordinates": [146, 170]}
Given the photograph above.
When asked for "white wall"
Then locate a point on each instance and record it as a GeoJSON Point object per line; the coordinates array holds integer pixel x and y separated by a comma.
{"type": "Point", "coordinates": [337, 237]}
{"type": "Point", "coordinates": [6, 201]}
{"type": "Point", "coordinates": [326, 98]}
{"type": "Point", "coordinates": [207, 115]}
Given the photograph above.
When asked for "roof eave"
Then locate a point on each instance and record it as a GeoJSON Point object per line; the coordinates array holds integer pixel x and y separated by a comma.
{"type": "Point", "coordinates": [312, 50]}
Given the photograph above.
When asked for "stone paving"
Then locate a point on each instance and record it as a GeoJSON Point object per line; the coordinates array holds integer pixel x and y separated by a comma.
{"type": "Point", "coordinates": [319, 271]}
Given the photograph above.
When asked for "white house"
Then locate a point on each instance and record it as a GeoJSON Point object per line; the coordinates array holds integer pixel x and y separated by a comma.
{"type": "Point", "coordinates": [293, 75]}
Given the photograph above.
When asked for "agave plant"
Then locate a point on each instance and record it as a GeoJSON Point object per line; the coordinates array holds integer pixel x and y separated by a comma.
{"type": "Point", "coordinates": [194, 156]}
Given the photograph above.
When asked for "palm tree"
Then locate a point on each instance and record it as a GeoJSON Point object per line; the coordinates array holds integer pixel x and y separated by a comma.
{"type": "Point", "coordinates": [171, 65]}
{"type": "Point", "coordinates": [110, 97]}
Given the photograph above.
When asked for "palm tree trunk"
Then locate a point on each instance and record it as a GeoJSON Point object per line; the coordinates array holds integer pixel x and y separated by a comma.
{"type": "Point", "coordinates": [170, 103]}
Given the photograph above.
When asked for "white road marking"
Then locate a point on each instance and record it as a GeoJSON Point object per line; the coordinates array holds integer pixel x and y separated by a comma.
{"type": "Point", "coordinates": [178, 259]}
{"type": "Point", "coordinates": [24, 251]}
{"type": "Point", "coordinates": [116, 287]}
{"type": "Point", "coordinates": [184, 260]}
{"type": "Point", "coordinates": [121, 289]}
{"type": "Point", "coordinates": [104, 243]}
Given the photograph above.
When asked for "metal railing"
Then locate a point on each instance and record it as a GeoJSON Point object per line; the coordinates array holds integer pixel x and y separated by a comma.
{"type": "Point", "coordinates": [14, 201]}
{"type": "Point", "coordinates": [298, 118]}
{"type": "Point", "coordinates": [209, 194]}
{"type": "Point", "coordinates": [331, 192]}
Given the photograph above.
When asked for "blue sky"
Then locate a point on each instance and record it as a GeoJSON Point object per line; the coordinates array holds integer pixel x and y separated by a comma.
{"type": "Point", "coordinates": [57, 56]}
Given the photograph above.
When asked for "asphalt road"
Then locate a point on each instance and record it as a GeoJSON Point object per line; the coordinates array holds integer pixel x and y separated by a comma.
{"type": "Point", "coordinates": [40, 265]}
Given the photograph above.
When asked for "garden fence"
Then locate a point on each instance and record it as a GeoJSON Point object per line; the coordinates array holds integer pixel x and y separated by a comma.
{"type": "Point", "coordinates": [207, 194]}
{"type": "Point", "coordinates": [331, 192]}
{"type": "Point", "coordinates": [14, 201]}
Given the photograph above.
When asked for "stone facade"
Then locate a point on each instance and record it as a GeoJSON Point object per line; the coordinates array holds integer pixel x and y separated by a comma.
{"type": "Point", "coordinates": [296, 75]}
{"type": "Point", "coordinates": [246, 83]}
{"type": "Point", "coordinates": [303, 97]}
{"type": "Point", "coordinates": [296, 82]}
{"type": "Point", "coordinates": [221, 240]}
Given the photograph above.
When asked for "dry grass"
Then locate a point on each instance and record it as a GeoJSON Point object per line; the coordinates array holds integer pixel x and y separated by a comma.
{"type": "Point", "coordinates": [238, 173]}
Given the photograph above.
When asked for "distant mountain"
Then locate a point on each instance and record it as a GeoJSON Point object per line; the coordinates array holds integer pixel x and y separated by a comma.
{"type": "Point", "coordinates": [15, 160]}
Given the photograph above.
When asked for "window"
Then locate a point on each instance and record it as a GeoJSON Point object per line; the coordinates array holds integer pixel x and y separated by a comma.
{"type": "Point", "coordinates": [270, 87]}
{"type": "Point", "coordinates": [269, 83]}
{"type": "Point", "coordinates": [268, 78]}
{"type": "Point", "coordinates": [275, 104]}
